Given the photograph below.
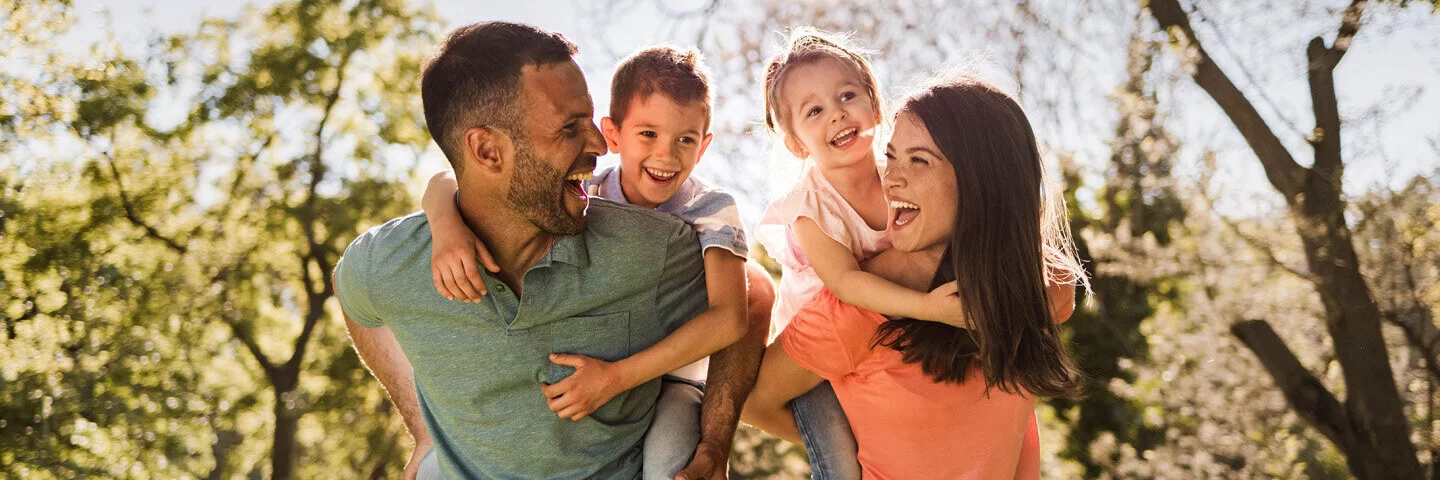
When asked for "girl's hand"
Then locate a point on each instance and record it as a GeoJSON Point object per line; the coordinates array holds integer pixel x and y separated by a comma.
{"type": "Point", "coordinates": [453, 263]}
{"type": "Point", "coordinates": [945, 303]}
{"type": "Point", "coordinates": [593, 383]}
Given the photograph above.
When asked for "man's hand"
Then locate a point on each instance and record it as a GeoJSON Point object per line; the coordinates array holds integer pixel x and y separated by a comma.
{"type": "Point", "coordinates": [710, 463]}
{"type": "Point", "coordinates": [593, 383]}
{"type": "Point", "coordinates": [413, 465]}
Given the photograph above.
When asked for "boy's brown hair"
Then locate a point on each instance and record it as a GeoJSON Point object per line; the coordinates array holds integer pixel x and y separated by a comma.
{"type": "Point", "coordinates": [678, 74]}
{"type": "Point", "coordinates": [807, 45]}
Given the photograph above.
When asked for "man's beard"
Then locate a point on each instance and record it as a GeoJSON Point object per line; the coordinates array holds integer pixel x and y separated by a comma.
{"type": "Point", "coordinates": [537, 191]}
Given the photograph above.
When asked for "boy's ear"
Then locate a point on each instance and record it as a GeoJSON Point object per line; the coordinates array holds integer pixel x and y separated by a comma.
{"type": "Point", "coordinates": [611, 131]}
{"type": "Point", "coordinates": [487, 149]}
{"type": "Point", "coordinates": [704, 143]}
{"type": "Point", "coordinates": [795, 148]}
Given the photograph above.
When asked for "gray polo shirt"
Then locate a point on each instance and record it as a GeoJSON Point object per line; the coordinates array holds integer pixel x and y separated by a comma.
{"type": "Point", "coordinates": [632, 277]}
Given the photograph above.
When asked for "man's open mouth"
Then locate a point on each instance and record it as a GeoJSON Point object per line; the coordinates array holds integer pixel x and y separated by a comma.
{"type": "Point", "coordinates": [845, 137]}
{"type": "Point", "coordinates": [575, 183]}
{"type": "Point", "coordinates": [904, 212]}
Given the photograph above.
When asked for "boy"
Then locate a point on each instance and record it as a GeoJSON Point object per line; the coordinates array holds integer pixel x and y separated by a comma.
{"type": "Point", "coordinates": [659, 125]}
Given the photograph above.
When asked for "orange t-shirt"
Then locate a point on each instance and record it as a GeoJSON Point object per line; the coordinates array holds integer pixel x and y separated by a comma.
{"type": "Point", "coordinates": [907, 425]}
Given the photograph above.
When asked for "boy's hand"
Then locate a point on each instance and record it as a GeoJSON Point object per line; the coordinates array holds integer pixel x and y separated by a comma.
{"type": "Point", "coordinates": [453, 266]}
{"type": "Point", "coordinates": [593, 383]}
{"type": "Point", "coordinates": [945, 303]}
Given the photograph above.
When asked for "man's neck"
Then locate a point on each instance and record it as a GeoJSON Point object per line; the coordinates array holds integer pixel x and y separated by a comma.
{"type": "Point", "coordinates": [515, 243]}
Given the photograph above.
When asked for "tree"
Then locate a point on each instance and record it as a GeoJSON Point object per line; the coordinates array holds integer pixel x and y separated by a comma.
{"type": "Point", "coordinates": [1370, 427]}
{"type": "Point", "coordinates": [192, 240]}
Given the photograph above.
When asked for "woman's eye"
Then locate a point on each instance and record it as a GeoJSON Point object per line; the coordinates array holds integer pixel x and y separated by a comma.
{"type": "Point", "coordinates": [889, 156]}
{"type": "Point", "coordinates": [813, 112]}
{"type": "Point", "coordinates": [919, 160]}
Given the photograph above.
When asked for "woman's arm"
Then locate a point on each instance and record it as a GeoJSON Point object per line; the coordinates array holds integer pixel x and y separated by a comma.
{"type": "Point", "coordinates": [780, 381]}
{"type": "Point", "coordinates": [836, 266]}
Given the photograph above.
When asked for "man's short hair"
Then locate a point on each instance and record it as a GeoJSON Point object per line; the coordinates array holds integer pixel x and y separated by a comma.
{"type": "Point", "coordinates": [474, 79]}
{"type": "Point", "coordinates": [678, 74]}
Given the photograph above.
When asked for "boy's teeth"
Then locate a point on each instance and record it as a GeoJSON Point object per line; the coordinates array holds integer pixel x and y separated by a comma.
{"type": "Point", "coordinates": [582, 176]}
{"type": "Point", "coordinates": [901, 204]}
{"type": "Point", "coordinates": [659, 174]}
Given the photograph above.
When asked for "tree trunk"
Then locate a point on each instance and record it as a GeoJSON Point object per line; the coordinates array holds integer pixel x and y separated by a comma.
{"type": "Point", "coordinates": [287, 423]}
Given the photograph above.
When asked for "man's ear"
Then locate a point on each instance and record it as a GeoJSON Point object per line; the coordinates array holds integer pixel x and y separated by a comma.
{"type": "Point", "coordinates": [487, 149]}
{"type": "Point", "coordinates": [795, 148]}
{"type": "Point", "coordinates": [611, 131]}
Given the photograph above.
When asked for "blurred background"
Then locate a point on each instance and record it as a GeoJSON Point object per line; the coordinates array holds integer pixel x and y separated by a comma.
{"type": "Point", "coordinates": [1255, 186]}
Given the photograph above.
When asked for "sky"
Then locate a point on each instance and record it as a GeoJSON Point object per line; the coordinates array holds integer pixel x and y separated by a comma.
{"type": "Point", "coordinates": [1411, 138]}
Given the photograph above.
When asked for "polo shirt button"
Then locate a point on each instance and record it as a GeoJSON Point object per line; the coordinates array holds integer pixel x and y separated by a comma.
{"type": "Point", "coordinates": [500, 287]}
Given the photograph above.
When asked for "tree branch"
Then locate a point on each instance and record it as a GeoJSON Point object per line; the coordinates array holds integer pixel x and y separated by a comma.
{"type": "Point", "coordinates": [1321, 71]}
{"type": "Point", "coordinates": [1305, 393]}
{"type": "Point", "coordinates": [1280, 167]}
{"type": "Point", "coordinates": [133, 217]}
{"type": "Point", "coordinates": [1419, 327]}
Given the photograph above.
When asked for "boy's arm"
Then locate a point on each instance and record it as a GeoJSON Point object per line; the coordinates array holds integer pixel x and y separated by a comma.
{"type": "Point", "coordinates": [721, 324]}
{"type": "Point", "coordinates": [836, 267]}
{"type": "Point", "coordinates": [452, 257]}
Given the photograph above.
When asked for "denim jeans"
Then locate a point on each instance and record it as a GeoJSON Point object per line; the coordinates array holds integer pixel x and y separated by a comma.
{"type": "Point", "coordinates": [826, 432]}
{"type": "Point", "coordinates": [429, 467]}
{"type": "Point", "coordinates": [670, 442]}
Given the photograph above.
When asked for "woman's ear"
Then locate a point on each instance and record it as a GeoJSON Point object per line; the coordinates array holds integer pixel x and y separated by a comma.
{"type": "Point", "coordinates": [487, 149]}
{"type": "Point", "coordinates": [795, 147]}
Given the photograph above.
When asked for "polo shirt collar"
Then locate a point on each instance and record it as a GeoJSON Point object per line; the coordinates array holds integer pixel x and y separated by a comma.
{"type": "Point", "coordinates": [569, 249]}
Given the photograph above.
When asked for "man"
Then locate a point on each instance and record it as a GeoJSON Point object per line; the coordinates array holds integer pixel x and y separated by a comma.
{"type": "Point", "coordinates": [509, 108]}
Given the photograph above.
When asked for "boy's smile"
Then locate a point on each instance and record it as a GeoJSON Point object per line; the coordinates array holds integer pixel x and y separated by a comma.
{"type": "Point", "coordinates": [659, 142]}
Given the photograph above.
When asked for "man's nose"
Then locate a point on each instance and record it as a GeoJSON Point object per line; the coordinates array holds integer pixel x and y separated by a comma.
{"type": "Point", "coordinates": [594, 141]}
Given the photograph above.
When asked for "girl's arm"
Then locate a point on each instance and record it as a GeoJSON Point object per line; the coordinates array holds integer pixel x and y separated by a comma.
{"type": "Point", "coordinates": [780, 381]}
{"type": "Point", "coordinates": [452, 257]}
{"type": "Point", "coordinates": [837, 268]}
{"type": "Point", "coordinates": [721, 324]}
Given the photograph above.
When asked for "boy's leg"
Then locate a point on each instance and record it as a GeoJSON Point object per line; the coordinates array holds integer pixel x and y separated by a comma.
{"type": "Point", "coordinates": [673, 435]}
{"type": "Point", "coordinates": [826, 432]}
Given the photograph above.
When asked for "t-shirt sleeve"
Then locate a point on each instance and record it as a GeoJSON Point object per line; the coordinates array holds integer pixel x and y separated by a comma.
{"type": "Point", "coordinates": [717, 223]}
{"type": "Point", "coordinates": [352, 281]}
{"type": "Point", "coordinates": [774, 227]}
{"type": "Point", "coordinates": [680, 293]}
{"type": "Point", "coordinates": [828, 337]}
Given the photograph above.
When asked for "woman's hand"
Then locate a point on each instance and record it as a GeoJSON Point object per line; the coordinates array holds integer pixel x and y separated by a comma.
{"type": "Point", "coordinates": [453, 262]}
{"type": "Point", "coordinates": [593, 383]}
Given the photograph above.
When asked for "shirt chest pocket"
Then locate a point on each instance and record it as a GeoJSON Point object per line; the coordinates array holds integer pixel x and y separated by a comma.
{"type": "Point", "coordinates": [604, 336]}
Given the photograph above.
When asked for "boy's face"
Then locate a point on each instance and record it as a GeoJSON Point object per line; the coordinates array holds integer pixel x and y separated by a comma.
{"type": "Point", "coordinates": [659, 144]}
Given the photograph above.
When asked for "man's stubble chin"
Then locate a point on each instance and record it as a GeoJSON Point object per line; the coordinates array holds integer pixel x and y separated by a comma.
{"type": "Point", "coordinates": [537, 191]}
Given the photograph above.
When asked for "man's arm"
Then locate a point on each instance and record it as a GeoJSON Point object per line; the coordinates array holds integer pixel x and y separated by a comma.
{"type": "Point", "coordinates": [382, 356]}
{"type": "Point", "coordinates": [731, 376]}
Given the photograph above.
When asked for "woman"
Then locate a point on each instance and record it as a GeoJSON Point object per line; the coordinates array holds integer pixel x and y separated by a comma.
{"type": "Point", "coordinates": [927, 400]}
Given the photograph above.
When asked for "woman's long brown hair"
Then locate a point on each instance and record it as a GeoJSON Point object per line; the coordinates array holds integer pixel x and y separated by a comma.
{"type": "Point", "coordinates": [1011, 239]}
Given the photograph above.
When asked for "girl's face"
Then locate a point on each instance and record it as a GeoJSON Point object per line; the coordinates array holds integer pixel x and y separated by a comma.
{"type": "Point", "coordinates": [920, 184]}
{"type": "Point", "coordinates": [831, 115]}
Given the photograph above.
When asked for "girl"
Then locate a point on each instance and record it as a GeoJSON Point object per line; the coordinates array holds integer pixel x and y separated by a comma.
{"type": "Point", "coordinates": [823, 100]}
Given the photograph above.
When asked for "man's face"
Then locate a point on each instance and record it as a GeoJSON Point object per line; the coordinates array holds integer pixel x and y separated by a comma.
{"type": "Point", "coordinates": [659, 142]}
{"type": "Point", "coordinates": [557, 149]}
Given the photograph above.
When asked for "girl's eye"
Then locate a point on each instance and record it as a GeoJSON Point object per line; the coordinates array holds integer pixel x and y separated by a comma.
{"type": "Point", "coordinates": [847, 96]}
{"type": "Point", "coordinates": [647, 134]}
{"type": "Point", "coordinates": [813, 112]}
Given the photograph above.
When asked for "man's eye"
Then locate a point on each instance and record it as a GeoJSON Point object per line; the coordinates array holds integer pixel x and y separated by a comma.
{"type": "Point", "coordinates": [648, 134]}
{"type": "Point", "coordinates": [813, 112]}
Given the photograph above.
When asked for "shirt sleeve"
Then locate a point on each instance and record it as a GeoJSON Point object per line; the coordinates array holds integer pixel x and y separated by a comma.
{"type": "Point", "coordinates": [774, 229]}
{"type": "Point", "coordinates": [717, 223]}
{"type": "Point", "coordinates": [829, 337]}
{"type": "Point", "coordinates": [352, 279]}
{"type": "Point", "coordinates": [680, 293]}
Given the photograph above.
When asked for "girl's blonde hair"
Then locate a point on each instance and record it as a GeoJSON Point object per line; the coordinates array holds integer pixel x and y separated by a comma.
{"type": "Point", "coordinates": [805, 45]}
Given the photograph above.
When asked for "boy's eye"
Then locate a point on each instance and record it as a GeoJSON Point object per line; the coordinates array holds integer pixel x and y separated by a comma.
{"type": "Point", "coordinates": [813, 112]}
{"type": "Point", "coordinates": [686, 140]}
{"type": "Point", "coordinates": [648, 134]}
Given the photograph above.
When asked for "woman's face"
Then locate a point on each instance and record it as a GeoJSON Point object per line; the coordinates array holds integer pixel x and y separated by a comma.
{"type": "Point", "coordinates": [920, 184]}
